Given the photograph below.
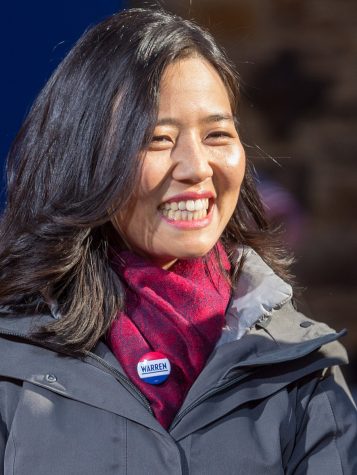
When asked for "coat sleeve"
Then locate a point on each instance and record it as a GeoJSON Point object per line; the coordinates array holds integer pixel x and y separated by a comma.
{"type": "Point", "coordinates": [9, 396]}
{"type": "Point", "coordinates": [2, 445]}
{"type": "Point", "coordinates": [3, 427]}
{"type": "Point", "coordinates": [326, 438]}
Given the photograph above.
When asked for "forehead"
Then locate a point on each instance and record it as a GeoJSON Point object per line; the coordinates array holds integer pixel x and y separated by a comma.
{"type": "Point", "coordinates": [195, 84]}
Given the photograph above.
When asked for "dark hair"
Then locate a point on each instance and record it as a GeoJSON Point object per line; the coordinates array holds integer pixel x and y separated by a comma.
{"type": "Point", "coordinates": [75, 161]}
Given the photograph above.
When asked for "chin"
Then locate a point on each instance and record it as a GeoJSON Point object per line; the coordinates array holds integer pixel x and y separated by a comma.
{"type": "Point", "coordinates": [190, 253]}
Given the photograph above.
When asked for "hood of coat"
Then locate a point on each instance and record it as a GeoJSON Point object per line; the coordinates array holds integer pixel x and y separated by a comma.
{"type": "Point", "coordinates": [259, 292]}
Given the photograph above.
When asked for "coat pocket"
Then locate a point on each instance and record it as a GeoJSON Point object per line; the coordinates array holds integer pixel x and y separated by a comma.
{"type": "Point", "coordinates": [54, 434]}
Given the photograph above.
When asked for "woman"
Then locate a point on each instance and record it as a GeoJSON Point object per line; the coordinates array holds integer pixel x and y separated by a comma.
{"type": "Point", "coordinates": [147, 326]}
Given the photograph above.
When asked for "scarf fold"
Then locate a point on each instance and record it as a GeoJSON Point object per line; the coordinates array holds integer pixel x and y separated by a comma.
{"type": "Point", "coordinates": [179, 312]}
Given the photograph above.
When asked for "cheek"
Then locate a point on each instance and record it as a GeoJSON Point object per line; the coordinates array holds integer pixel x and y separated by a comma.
{"type": "Point", "coordinates": [232, 168]}
{"type": "Point", "coordinates": [230, 159]}
{"type": "Point", "coordinates": [232, 171]}
{"type": "Point", "coordinates": [153, 174]}
{"type": "Point", "coordinates": [236, 160]}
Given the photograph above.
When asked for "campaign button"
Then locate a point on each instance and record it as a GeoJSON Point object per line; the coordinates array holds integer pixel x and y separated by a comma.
{"type": "Point", "coordinates": [154, 367]}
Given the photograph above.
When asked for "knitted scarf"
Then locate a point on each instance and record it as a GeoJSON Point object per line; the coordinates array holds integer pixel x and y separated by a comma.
{"type": "Point", "coordinates": [178, 312]}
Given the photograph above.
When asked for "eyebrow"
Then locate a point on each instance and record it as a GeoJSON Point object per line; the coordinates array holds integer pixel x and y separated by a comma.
{"type": "Point", "coordinates": [206, 120]}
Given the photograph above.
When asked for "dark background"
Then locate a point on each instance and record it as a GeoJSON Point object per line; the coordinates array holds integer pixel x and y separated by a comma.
{"type": "Point", "coordinates": [297, 60]}
{"type": "Point", "coordinates": [34, 38]}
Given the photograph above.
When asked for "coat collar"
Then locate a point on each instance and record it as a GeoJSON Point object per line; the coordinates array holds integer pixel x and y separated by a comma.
{"type": "Point", "coordinates": [258, 293]}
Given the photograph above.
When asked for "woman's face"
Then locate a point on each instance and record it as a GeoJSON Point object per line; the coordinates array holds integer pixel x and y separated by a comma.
{"type": "Point", "coordinates": [191, 172]}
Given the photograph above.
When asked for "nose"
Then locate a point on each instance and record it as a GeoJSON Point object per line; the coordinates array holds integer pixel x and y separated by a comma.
{"type": "Point", "coordinates": [191, 161]}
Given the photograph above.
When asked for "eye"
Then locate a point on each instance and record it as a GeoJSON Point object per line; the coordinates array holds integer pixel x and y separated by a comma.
{"type": "Point", "coordinates": [219, 137]}
{"type": "Point", "coordinates": [161, 139]}
{"type": "Point", "coordinates": [219, 134]}
{"type": "Point", "coordinates": [161, 142]}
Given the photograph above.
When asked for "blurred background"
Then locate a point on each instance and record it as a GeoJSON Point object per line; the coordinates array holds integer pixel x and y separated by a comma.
{"type": "Point", "coordinates": [297, 61]}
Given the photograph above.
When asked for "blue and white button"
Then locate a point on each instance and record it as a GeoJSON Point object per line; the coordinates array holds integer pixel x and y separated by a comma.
{"type": "Point", "coordinates": [154, 368]}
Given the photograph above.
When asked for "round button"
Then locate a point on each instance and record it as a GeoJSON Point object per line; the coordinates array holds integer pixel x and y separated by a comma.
{"type": "Point", "coordinates": [154, 367]}
{"type": "Point", "coordinates": [51, 378]}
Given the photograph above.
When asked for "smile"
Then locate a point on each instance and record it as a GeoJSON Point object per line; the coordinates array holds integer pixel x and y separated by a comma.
{"type": "Point", "coordinates": [189, 210]}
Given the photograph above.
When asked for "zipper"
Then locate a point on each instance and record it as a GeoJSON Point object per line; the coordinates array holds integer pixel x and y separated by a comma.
{"type": "Point", "coordinates": [205, 396]}
{"type": "Point", "coordinates": [124, 380]}
{"type": "Point", "coordinates": [119, 376]}
{"type": "Point", "coordinates": [17, 335]}
{"type": "Point", "coordinates": [242, 365]}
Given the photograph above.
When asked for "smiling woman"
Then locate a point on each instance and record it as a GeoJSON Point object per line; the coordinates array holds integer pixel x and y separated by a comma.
{"type": "Point", "coordinates": [192, 170]}
{"type": "Point", "coordinates": [146, 319]}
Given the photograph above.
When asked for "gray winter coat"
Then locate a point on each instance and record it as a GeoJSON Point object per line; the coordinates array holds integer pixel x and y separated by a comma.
{"type": "Point", "coordinates": [270, 400]}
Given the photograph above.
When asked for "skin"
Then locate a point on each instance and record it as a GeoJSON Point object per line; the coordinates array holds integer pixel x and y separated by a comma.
{"type": "Point", "coordinates": [191, 151]}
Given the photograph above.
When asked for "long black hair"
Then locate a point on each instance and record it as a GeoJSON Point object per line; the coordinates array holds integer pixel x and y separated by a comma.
{"type": "Point", "coordinates": [75, 161]}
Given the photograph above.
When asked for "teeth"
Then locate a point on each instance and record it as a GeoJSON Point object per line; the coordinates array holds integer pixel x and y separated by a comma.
{"type": "Point", "coordinates": [189, 205]}
{"type": "Point", "coordinates": [184, 215]}
{"type": "Point", "coordinates": [198, 205]}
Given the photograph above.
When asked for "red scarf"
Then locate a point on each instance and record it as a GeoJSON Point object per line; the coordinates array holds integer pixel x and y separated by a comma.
{"type": "Point", "coordinates": [179, 312]}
